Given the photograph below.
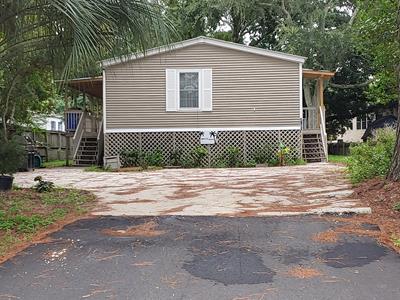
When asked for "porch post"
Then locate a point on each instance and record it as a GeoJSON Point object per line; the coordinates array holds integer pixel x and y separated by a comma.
{"type": "Point", "coordinates": [320, 99]}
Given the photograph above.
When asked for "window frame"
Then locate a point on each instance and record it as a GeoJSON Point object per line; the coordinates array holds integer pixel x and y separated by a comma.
{"type": "Point", "coordinates": [200, 86]}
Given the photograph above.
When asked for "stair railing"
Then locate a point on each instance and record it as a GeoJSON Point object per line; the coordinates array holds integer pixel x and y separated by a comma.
{"type": "Point", "coordinates": [100, 142]}
{"type": "Point", "coordinates": [323, 132]}
{"type": "Point", "coordinates": [80, 130]}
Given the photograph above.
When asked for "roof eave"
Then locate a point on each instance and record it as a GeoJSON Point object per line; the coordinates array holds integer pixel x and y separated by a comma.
{"type": "Point", "coordinates": [203, 40]}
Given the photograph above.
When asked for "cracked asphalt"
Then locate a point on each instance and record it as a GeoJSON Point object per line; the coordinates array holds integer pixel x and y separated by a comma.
{"type": "Point", "coordinates": [196, 257]}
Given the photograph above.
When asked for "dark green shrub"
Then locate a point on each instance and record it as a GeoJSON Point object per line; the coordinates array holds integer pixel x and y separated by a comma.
{"type": "Point", "coordinates": [131, 158]}
{"type": "Point", "coordinates": [175, 157]}
{"type": "Point", "coordinates": [232, 157]}
{"type": "Point", "coordinates": [42, 185]}
{"type": "Point", "coordinates": [263, 154]}
{"type": "Point", "coordinates": [12, 155]}
{"type": "Point", "coordinates": [372, 158]}
{"type": "Point", "coordinates": [396, 206]}
{"type": "Point", "coordinates": [198, 154]}
{"type": "Point", "coordinates": [155, 158]}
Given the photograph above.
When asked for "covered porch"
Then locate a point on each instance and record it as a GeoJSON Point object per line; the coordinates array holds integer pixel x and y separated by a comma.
{"type": "Point", "coordinates": [313, 121]}
{"type": "Point", "coordinates": [84, 122]}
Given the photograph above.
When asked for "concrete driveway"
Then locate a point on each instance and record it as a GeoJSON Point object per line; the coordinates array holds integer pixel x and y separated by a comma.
{"type": "Point", "coordinates": [308, 189]}
{"type": "Point", "coordinates": [197, 258]}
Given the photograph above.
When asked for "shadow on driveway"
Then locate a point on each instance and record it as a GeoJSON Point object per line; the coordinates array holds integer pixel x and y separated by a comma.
{"type": "Point", "coordinates": [175, 257]}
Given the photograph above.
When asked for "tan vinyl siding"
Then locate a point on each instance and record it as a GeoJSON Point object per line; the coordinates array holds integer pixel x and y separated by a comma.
{"type": "Point", "coordinates": [249, 90]}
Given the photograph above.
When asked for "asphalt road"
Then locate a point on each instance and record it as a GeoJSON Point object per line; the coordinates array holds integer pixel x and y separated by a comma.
{"type": "Point", "coordinates": [201, 258]}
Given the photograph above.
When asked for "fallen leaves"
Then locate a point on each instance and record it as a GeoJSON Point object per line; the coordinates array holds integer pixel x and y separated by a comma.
{"type": "Point", "coordinates": [303, 272]}
{"type": "Point", "coordinates": [147, 229]}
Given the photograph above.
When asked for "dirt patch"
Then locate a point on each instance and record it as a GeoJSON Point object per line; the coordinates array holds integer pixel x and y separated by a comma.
{"type": "Point", "coordinates": [381, 196]}
{"type": "Point", "coordinates": [147, 229]}
{"type": "Point", "coordinates": [303, 272]}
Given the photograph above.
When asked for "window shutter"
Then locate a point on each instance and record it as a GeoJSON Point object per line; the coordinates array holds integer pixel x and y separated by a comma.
{"type": "Point", "coordinates": [171, 92]}
{"type": "Point", "coordinates": [207, 90]}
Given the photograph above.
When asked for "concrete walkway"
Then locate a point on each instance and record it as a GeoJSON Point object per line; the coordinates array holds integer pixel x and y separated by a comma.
{"type": "Point", "coordinates": [309, 189]}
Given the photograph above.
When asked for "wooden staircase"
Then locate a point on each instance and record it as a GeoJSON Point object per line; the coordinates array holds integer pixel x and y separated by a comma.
{"type": "Point", "coordinates": [313, 149]}
{"type": "Point", "coordinates": [87, 154]}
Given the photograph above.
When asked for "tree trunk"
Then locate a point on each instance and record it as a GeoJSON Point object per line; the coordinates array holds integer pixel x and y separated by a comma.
{"type": "Point", "coordinates": [394, 172]}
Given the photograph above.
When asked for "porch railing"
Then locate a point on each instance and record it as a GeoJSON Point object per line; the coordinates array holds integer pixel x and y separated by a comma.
{"type": "Point", "coordinates": [79, 131]}
{"type": "Point", "coordinates": [310, 118]}
{"type": "Point", "coordinates": [72, 118]}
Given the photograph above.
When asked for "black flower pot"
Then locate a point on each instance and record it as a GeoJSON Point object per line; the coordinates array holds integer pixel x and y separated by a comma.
{"type": "Point", "coordinates": [6, 183]}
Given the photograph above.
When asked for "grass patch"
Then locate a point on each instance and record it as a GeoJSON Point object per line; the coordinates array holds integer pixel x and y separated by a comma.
{"type": "Point", "coordinates": [339, 159]}
{"type": "Point", "coordinates": [54, 164]}
{"type": "Point", "coordinates": [24, 213]}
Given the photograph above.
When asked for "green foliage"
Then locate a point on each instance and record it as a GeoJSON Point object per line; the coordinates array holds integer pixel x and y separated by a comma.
{"type": "Point", "coordinates": [131, 158]}
{"type": "Point", "coordinates": [95, 168]}
{"type": "Point", "coordinates": [43, 186]}
{"type": "Point", "coordinates": [373, 158]}
{"type": "Point", "coordinates": [54, 164]}
{"type": "Point", "coordinates": [155, 158]}
{"type": "Point", "coordinates": [12, 155]}
{"type": "Point", "coordinates": [175, 157]}
{"type": "Point", "coordinates": [263, 154]}
{"type": "Point", "coordinates": [232, 157]}
{"type": "Point", "coordinates": [395, 240]}
{"type": "Point", "coordinates": [282, 154]}
{"type": "Point", "coordinates": [376, 33]}
{"type": "Point", "coordinates": [198, 154]}
{"type": "Point", "coordinates": [341, 159]}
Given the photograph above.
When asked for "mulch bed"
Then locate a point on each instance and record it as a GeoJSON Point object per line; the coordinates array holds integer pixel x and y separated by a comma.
{"type": "Point", "coordinates": [381, 196]}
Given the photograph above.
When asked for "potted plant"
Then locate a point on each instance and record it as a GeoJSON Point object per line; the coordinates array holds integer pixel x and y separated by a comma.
{"type": "Point", "coordinates": [11, 157]}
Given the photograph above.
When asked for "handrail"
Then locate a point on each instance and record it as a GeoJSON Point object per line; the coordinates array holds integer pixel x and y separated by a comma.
{"type": "Point", "coordinates": [80, 130]}
{"type": "Point", "coordinates": [323, 132]}
{"type": "Point", "coordinates": [100, 142]}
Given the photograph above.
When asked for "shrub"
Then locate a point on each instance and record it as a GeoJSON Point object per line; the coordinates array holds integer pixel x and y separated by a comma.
{"type": "Point", "coordinates": [198, 154]}
{"type": "Point", "coordinates": [131, 158]}
{"type": "Point", "coordinates": [42, 185]}
{"type": "Point", "coordinates": [11, 157]}
{"type": "Point", "coordinates": [155, 158]}
{"type": "Point", "coordinates": [175, 157]}
{"type": "Point", "coordinates": [396, 206]}
{"type": "Point", "coordinates": [232, 157]}
{"type": "Point", "coordinates": [372, 158]}
{"type": "Point", "coordinates": [282, 154]}
{"type": "Point", "coordinates": [263, 154]}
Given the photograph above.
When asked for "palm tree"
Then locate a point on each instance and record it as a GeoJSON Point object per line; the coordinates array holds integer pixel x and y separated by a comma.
{"type": "Point", "coordinates": [67, 37]}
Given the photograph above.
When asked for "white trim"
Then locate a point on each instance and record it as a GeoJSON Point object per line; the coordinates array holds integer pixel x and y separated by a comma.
{"type": "Point", "coordinates": [180, 129]}
{"type": "Point", "coordinates": [203, 40]}
{"type": "Point", "coordinates": [301, 91]}
{"type": "Point", "coordinates": [104, 101]}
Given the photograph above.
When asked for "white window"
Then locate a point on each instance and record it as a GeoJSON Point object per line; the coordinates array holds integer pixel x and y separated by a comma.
{"type": "Point", "coordinates": [188, 90]}
{"type": "Point", "coordinates": [53, 125]}
{"type": "Point", "coordinates": [60, 127]}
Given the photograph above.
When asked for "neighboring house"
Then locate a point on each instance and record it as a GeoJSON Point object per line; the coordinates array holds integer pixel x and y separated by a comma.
{"type": "Point", "coordinates": [204, 92]}
{"type": "Point", "coordinates": [51, 123]}
{"type": "Point", "coordinates": [354, 133]}
{"type": "Point", "coordinates": [359, 125]}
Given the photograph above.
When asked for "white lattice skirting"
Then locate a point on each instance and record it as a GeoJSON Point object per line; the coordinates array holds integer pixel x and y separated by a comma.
{"type": "Point", "coordinates": [249, 141]}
